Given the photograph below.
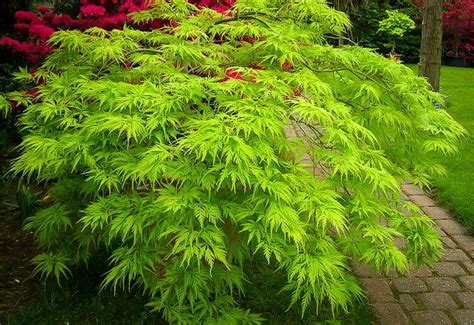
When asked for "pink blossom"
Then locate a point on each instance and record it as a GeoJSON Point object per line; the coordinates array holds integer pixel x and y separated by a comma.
{"type": "Point", "coordinates": [26, 16]}
{"type": "Point", "coordinates": [93, 11]}
{"type": "Point", "coordinates": [22, 27]}
{"type": "Point", "coordinates": [43, 33]}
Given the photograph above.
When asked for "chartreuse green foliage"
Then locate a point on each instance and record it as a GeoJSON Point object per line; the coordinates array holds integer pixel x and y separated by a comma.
{"type": "Point", "coordinates": [397, 23]}
{"type": "Point", "coordinates": [395, 26]}
{"type": "Point", "coordinates": [183, 173]}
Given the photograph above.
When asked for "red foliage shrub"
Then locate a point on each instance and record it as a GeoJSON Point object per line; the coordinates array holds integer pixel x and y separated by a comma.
{"type": "Point", "coordinates": [35, 28]}
{"type": "Point", "coordinates": [458, 28]}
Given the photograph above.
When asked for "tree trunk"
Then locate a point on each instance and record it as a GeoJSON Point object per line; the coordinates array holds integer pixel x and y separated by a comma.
{"type": "Point", "coordinates": [431, 42]}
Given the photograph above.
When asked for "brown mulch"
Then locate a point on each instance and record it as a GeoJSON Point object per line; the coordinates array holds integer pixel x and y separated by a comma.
{"type": "Point", "coordinates": [17, 248]}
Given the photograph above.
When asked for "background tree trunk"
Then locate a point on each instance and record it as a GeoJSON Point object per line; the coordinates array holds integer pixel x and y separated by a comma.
{"type": "Point", "coordinates": [431, 42]}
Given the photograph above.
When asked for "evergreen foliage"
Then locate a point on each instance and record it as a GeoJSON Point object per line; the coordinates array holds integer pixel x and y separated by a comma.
{"type": "Point", "coordinates": [167, 149]}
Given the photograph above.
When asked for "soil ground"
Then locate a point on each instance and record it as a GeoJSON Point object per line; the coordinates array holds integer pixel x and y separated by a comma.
{"type": "Point", "coordinates": [17, 248]}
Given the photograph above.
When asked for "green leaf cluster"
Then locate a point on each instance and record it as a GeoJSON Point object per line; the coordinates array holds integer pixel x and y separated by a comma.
{"type": "Point", "coordinates": [153, 154]}
{"type": "Point", "coordinates": [395, 25]}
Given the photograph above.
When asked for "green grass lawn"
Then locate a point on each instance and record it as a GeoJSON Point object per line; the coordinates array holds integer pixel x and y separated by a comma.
{"type": "Point", "coordinates": [456, 190]}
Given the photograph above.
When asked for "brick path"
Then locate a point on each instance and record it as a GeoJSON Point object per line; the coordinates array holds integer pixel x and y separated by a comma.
{"type": "Point", "coordinates": [443, 294]}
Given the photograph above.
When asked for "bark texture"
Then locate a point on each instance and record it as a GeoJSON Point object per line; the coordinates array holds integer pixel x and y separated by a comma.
{"type": "Point", "coordinates": [431, 42]}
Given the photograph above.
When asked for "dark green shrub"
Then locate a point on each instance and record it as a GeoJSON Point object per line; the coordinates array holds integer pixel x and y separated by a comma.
{"type": "Point", "coordinates": [167, 150]}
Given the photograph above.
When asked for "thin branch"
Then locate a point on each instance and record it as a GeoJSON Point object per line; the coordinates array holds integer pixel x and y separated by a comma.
{"type": "Point", "coordinates": [341, 37]}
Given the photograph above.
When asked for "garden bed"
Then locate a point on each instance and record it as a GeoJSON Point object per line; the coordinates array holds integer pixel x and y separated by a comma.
{"type": "Point", "coordinates": [17, 249]}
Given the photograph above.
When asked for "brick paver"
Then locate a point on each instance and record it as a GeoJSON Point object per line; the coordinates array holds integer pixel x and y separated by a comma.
{"type": "Point", "coordinates": [465, 242]}
{"type": "Point", "coordinates": [455, 255]}
{"type": "Point", "coordinates": [422, 201]}
{"type": "Point", "coordinates": [448, 242]}
{"type": "Point", "coordinates": [443, 284]}
{"type": "Point", "coordinates": [451, 227]}
{"type": "Point", "coordinates": [409, 284]}
{"type": "Point", "coordinates": [443, 294]}
{"type": "Point", "coordinates": [449, 269]}
{"type": "Point", "coordinates": [421, 272]}
{"type": "Point", "coordinates": [437, 301]}
{"type": "Point", "coordinates": [464, 316]}
{"type": "Point", "coordinates": [390, 314]}
{"type": "Point", "coordinates": [380, 289]}
{"type": "Point", "coordinates": [410, 190]}
{"type": "Point", "coordinates": [430, 317]}
{"type": "Point", "coordinates": [408, 302]}
{"type": "Point", "coordinates": [469, 266]}
{"type": "Point", "coordinates": [468, 281]}
{"type": "Point", "coordinates": [437, 213]}
{"type": "Point", "coordinates": [466, 299]}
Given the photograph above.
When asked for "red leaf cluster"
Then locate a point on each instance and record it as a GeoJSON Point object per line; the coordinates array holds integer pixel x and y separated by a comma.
{"type": "Point", "coordinates": [232, 74]}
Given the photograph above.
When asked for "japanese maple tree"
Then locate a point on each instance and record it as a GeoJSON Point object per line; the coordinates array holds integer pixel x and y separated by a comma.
{"type": "Point", "coordinates": [166, 149]}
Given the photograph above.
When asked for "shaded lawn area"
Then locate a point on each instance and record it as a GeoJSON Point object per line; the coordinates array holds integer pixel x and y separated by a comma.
{"type": "Point", "coordinates": [456, 190]}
